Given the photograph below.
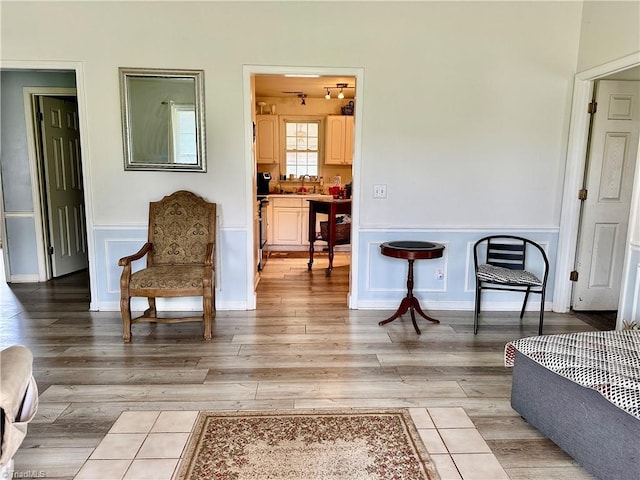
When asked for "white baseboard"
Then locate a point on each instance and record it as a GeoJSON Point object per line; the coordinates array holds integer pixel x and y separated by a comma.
{"type": "Point", "coordinates": [27, 278]}
{"type": "Point", "coordinates": [139, 305]}
{"type": "Point", "coordinates": [451, 305]}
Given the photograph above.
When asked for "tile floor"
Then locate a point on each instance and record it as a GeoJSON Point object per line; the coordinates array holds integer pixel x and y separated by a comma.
{"type": "Point", "coordinates": [148, 446]}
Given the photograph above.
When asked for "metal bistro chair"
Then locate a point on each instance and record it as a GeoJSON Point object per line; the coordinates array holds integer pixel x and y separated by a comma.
{"type": "Point", "coordinates": [504, 268]}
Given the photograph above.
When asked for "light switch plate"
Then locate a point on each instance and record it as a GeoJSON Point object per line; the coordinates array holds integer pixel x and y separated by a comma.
{"type": "Point", "coordinates": [380, 191]}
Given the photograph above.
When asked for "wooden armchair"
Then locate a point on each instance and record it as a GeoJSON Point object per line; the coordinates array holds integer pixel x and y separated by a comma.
{"type": "Point", "coordinates": [180, 255]}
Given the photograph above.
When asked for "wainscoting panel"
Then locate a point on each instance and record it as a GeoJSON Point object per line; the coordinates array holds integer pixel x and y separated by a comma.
{"type": "Point", "coordinates": [112, 243]}
{"type": "Point", "coordinates": [21, 242]}
{"type": "Point", "coordinates": [383, 280]}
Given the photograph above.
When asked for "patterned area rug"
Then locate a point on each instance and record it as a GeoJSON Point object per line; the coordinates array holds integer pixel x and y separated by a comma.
{"type": "Point", "coordinates": [306, 445]}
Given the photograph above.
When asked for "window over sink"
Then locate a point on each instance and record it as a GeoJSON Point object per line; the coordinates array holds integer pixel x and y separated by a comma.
{"type": "Point", "coordinates": [302, 143]}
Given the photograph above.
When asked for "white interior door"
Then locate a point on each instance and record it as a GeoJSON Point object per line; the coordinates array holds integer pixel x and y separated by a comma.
{"type": "Point", "coordinates": [609, 183]}
{"type": "Point", "coordinates": [63, 185]}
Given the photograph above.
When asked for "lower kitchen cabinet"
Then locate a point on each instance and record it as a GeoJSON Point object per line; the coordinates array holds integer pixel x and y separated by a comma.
{"type": "Point", "coordinates": [287, 226]}
{"type": "Point", "coordinates": [289, 222]}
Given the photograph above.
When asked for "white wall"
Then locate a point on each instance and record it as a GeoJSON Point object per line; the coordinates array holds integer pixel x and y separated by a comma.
{"type": "Point", "coordinates": [465, 112]}
{"type": "Point", "coordinates": [610, 30]}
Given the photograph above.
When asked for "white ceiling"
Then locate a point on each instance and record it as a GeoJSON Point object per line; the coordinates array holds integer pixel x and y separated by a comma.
{"type": "Point", "coordinates": [281, 86]}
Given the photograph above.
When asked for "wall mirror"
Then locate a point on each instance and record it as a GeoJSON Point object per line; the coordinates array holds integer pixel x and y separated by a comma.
{"type": "Point", "coordinates": [163, 119]}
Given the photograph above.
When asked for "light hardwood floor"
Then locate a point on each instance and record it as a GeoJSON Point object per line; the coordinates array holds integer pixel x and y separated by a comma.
{"type": "Point", "coordinates": [301, 348]}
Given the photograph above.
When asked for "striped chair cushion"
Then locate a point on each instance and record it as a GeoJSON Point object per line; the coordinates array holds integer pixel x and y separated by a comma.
{"type": "Point", "coordinates": [491, 273]}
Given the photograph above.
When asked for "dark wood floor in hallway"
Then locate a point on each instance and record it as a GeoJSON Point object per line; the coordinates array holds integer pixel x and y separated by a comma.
{"type": "Point", "coordinates": [301, 348]}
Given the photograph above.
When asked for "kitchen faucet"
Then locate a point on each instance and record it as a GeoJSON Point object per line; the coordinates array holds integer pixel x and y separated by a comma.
{"type": "Point", "coordinates": [302, 177]}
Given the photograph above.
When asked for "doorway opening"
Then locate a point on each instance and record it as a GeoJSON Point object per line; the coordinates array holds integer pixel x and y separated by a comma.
{"type": "Point", "coordinates": [606, 193]}
{"type": "Point", "coordinates": [28, 229]}
{"type": "Point", "coordinates": [59, 170]}
{"type": "Point", "coordinates": [575, 171]}
{"type": "Point", "coordinates": [289, 168]}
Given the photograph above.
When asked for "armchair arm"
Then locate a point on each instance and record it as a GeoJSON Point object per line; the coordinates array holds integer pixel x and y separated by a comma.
{"type": "Point", "coordinates": [18, 400]}
{"type": "Point", "coordinates": [124, 261]}
{"type": "Point", "coordinates": [210, 257]}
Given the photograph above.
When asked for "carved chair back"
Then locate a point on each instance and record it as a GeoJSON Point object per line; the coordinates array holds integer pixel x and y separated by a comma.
{"type": "Point", "coordinates": [180, 227]}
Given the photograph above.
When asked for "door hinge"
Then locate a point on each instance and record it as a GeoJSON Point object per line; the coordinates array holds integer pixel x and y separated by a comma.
{"type": "Point", "coordinates": [40, 117]}
{"type": "Point", "coordinates": [573, 276]}
{"type": "Point", "coordinates": [582, 194]}
{"type": "Point", "coordinates": [593, 107]}
{"type": "Point", "coordinates": [50, 250]}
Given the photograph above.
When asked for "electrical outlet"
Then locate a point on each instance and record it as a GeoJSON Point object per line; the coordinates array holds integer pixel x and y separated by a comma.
{"type": "Point", "coordinates": [380, 191]}
{"type": "Point", "coordinates": [439, 275]}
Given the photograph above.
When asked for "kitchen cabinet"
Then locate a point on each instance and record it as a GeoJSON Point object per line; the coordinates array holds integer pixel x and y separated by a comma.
{"type": "Point", "coordinates": [289, 224]}
{"type": "Point", "coordinates": [267, 143]}
{"type": "Point", "coordinates": [286, 222]}
{"type": "Point", "coordinates": [339, 140]}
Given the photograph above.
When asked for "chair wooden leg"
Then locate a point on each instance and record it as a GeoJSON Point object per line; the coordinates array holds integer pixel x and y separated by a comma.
{"type": "Point", "coordinates": [152, 311]}
{"type": "Point", "coordinates": [477, 310]}
{"type": "Point", "coordinates": [208, 317]}
{"type": "Point", "coordinates": [125, 310]}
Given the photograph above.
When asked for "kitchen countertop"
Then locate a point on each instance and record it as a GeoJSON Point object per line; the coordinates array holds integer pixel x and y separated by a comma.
{"type": "Point", "coordinates": [301, 195]}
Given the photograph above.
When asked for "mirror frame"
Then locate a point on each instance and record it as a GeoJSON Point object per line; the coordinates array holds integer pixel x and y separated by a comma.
{"type": "Point", "coordinates": [125, 105]}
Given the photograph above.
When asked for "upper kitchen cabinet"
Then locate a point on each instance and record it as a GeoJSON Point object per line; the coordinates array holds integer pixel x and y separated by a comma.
{"type": "Point", "coordinates": [267, 139]}
{"type": "Point", "coordinates": [339, 140]}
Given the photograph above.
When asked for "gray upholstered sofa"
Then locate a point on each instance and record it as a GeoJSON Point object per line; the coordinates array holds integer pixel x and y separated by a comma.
{"type": "Point", "coordinates": [582, 391]}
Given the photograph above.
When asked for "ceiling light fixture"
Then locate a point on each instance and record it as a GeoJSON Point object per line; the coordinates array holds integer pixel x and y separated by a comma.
{"type": "Point", "coordinates": [339, 86]}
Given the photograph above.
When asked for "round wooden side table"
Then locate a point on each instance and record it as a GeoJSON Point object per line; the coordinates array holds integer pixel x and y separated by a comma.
{"type": "Point", "coordinates": [411, 250]}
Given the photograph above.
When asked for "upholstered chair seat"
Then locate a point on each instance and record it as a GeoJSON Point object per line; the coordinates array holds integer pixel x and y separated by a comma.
{"type": "Point", "coordinates": [491, 273]}
{"type": "Point", "coordinates": [168, 278]}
